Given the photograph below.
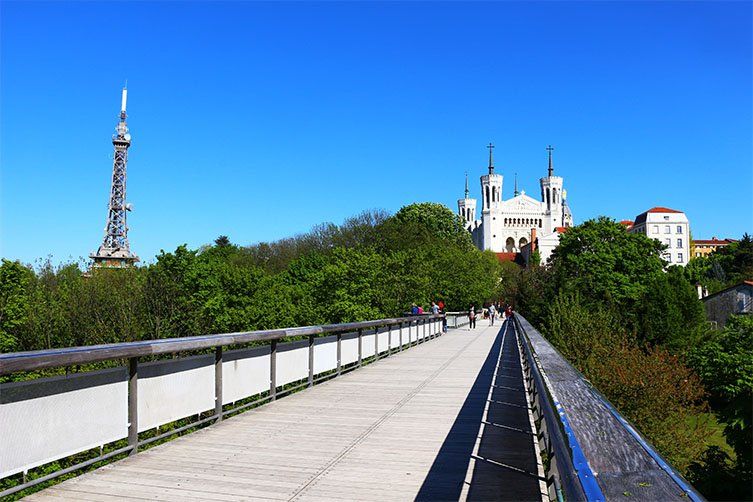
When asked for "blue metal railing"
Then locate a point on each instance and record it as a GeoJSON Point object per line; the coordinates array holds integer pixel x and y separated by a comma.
{"type": "Point", "coordinates": [613, 445]}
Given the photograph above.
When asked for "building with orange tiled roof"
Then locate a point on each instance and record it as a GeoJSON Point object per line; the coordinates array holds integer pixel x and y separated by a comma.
{"type": "Point", "coordinates": [668, 226]}
{"type": "Point", "coordinates": [704, 247]}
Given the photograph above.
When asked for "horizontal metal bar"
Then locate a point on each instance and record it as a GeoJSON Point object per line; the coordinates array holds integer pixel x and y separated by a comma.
{"type": "Point", "coordinates": [293, 389]}
{"type": "Point", "coordinates": [176, 431]}
{"type": "Point", "coordinates": [247, 405]}
{"type": "Point", "coordinates": [48, 477]}
{"type": "Point", "coordinates": [39, 359]}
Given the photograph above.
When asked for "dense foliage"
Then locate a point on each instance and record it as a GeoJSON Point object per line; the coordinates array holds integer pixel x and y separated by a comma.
{"type": "Point", "coordinates": [372, 266]}
{"type": "Point", "coordinates": [725, 267]}
{"type": "Point", "coordinates": [636, 329]}
{"type": "Point", "coordinates": [725, 363]}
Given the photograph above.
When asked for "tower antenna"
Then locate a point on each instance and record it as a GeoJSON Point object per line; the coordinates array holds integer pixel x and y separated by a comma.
{"type": "Point", "coordinates": [115, 251]}
{"type": "Point", "coordinates": [466, 184]}
{"type": "Point", "coordinates": [516, 185]}
{"type": "Point", "coordinates": [490, 146]}
{"type": "Point", "coordinates": [550, 149]}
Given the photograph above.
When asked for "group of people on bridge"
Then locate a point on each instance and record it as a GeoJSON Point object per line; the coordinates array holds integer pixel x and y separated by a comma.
{"type": "Point", "coordinates": [496, 309]}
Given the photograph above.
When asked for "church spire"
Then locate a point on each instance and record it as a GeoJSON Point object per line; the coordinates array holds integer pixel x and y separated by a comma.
{"type": "Point", "coordinates": [491, 158]}
{"type": "Point", "coordinates": [516, 186]}
{"type": "Point", "coordinates": [551, 166]}
{"type": "Point", "coordinates": [466, 184]}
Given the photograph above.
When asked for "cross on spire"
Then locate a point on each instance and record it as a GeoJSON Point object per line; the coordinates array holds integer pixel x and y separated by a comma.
{"type": "Point", "coordinates": [466, 184]}
{"type": "Point", "coordinates": [516, 186]}
{"type": "Point", "coordinates": [550, 149]}
{"type": "Point", "coordinates": [490, 146]}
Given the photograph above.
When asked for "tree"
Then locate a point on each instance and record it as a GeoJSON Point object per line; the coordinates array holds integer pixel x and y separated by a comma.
{"type": "Point", "coordinates": [669, 312]}
{"type": "Point", "coordinates": [222, 241]}
{"type": "Point", "coordinates": [607, 266]}
{"type": "Point", "coordinates": [435, 219]}
{"type": "Point", "coordinates": [14, 302]}
{"type": "Point", "coordinates": [725, 364]}
{"type": "Point", "coordinates": [724, 267]}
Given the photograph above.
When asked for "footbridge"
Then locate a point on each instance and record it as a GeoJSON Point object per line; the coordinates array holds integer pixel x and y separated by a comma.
{"type": "Point", "coordinates": [392, 409]}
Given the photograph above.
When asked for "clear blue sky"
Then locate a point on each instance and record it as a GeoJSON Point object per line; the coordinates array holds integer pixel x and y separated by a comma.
{"type": "Point", "coordinates": [260, 120]}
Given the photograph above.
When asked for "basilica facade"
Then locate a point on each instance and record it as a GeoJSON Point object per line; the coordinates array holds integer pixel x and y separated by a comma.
{"type": "Point", "coordinates": [510, 226]}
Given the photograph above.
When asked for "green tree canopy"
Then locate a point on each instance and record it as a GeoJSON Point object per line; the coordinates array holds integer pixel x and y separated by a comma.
{"type": "Point", "coordinates": [435, 219]}
{"type": "Point", "coordinates": [605, 264]}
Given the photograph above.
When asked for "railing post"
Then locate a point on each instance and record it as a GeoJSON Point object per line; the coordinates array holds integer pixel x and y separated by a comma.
{"type": "Point", "coordinates": [218, 383]}
{"type": "Point", "coordinates": [339, 353]}
{"type": "Point", "coordinates": [400, 336]}
{"type": "Point", "coordinates": [376, 343]}
{"type": "Point", "coordinates": [133, 405]}
{"type": "Point", "coordinates": [389, 340]}
{"type": "Point", "coordinates": [273, 370]}
{"type": "Point", "coordinates": [311, 360]}
{"type": "Point", "coordinates": [360, 347]}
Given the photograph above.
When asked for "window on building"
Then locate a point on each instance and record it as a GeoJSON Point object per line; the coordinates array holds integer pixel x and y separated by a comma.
{"type": "Point", "coordinates": [668, 242]}
{"type": "Point", "coordinates": [666, 218]}
{"type": "Point", "coordinates": [679, 257]}
{"type": "Point", "coordinates": [668, 257]}
{"type": "Point", "coordinates": [679, 229]}
{"type": "Point", "coordinates": [667, 230]}
{"type": "Point", "coordinates": [654, 229]}
{"type": "Point", "coordinates": [679, 243]}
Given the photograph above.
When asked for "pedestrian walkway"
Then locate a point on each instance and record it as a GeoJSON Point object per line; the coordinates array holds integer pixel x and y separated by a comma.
{"type": "Point", "coordinates": [446, 420]}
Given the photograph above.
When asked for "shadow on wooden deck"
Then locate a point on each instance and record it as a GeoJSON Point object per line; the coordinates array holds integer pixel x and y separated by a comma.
{"type": "Point", "coordinates": [505, 464]}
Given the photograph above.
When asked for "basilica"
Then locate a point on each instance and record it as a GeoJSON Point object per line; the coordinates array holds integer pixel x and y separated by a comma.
{"type": "Point", "coordinates": [521, 224]}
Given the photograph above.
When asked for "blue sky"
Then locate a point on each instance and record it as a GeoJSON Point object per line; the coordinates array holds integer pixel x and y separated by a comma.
{"type": "Point", "coordinates": [260, 120]}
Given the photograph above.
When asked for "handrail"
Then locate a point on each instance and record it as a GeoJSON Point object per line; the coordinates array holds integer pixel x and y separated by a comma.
{"type": "Point", "coordinates": [571, 472]}
{"type": "Point", "coordinates": [271, 388]}
{"type": "Point", "coordinates": [600, 453]}
{"type": "Point", "coordinates": [39, 359]}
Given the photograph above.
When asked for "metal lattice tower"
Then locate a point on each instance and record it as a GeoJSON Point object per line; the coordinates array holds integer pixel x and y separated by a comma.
{"type": "Point", "coordinates": [115, 251]}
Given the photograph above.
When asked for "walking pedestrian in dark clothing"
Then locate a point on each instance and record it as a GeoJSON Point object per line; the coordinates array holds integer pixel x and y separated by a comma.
{"type": "Point", "coordinates": [472, 317]}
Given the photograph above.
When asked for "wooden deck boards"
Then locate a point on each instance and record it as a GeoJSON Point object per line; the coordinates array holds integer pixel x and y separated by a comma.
{"type": "Point", "coordinates": [407, 427]}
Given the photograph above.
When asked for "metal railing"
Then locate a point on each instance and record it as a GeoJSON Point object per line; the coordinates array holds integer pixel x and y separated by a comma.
{"type": "Point", "coordinates": [459, 319]}
{"type": "Point", "coordinates": [82, 411]}
{"type": "Point", "coordinates": [590, 451]}
{"type": "Point", "coordinates": [568, 475]}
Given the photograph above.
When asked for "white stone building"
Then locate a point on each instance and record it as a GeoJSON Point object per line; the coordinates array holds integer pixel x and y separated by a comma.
{"type": "Point", "coordinates": [668, 226]}
{"type": "Point", "coordinates": [506, 225]}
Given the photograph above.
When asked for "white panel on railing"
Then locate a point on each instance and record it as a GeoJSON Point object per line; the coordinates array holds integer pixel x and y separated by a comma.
{"type": "Point", "coordinates": [396, 337]}
{"type": "Point", "coordinates": [368, 344]}
{"type": "Point", "coordinates": [325, 354]}
{"type": "Point", "coordinates": [384, 339]}
{"type": "Point", "coordinates": [292, 361]}
{"type": "Point", "coordinates": [175, 389]}
{"type": "Point", "coordinates": [50, 418]}
{"type": "Point", "coordinates": [245, 373]}
{"type": "Point", "coordinates": [349, 349]}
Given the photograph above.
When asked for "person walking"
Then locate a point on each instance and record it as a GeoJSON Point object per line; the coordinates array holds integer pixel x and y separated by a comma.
{"type": "Point", "coordinates": [492, 314]}
{"type": "Point", "coordinates": [472, 317]}
{"type": "Point", "coordinates": [434, 308]}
